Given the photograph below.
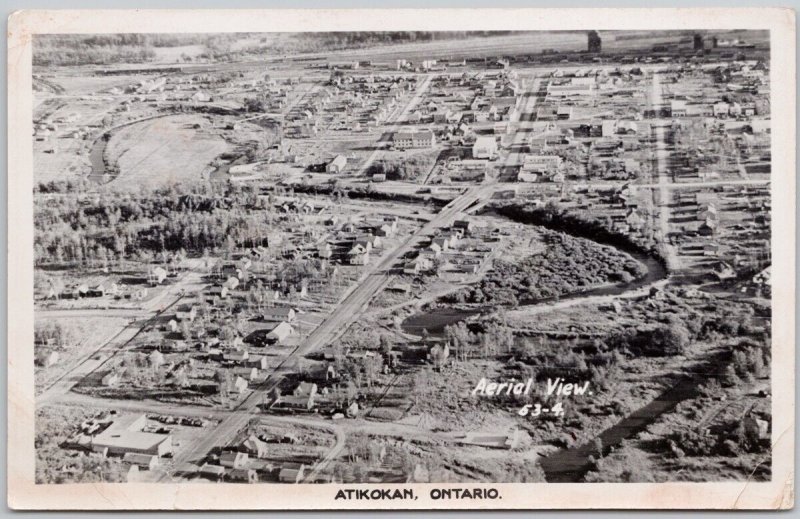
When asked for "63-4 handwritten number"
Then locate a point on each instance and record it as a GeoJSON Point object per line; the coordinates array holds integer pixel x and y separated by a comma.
{"type": "Point", "coordinates": [537, 409]}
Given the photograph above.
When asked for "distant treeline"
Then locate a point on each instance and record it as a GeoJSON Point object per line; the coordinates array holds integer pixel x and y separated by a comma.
{"type": "Point", "coordinates": [68, 49]}
{"type": "Point", "coordinates": [101, 49]}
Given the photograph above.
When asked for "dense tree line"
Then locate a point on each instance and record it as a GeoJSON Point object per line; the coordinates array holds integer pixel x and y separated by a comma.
{"type": "Point", "coordinates": [566, 265]}
{"type": "Point", "coordinates": [557, 218]}
{"type": "Point", "coordinates": [114, 226]}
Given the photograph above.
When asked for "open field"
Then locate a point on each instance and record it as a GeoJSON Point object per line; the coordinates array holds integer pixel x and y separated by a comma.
{"type": "Point", "coordinates": [163, 151]}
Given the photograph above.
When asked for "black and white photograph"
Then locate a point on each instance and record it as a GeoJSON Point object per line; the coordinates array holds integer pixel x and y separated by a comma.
{"type": "Point", "coordinates": [370, 260]}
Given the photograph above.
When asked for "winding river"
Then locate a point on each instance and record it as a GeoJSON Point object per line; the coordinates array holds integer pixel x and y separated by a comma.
{"type": "Point", "coordinates": [435, 319]}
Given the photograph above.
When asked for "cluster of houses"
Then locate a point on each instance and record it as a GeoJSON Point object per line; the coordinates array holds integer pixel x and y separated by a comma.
{"type": "Point", "coordinates": [457, 250]}
{"type": "Point", "coordinates": [353, 243]}
{"type": "Point", "coordinates": [94, 289]}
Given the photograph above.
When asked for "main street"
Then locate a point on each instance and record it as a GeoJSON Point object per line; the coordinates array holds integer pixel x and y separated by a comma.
{"type": "Point", "coordinates": [396, 117]}
{"type": "Point", "coordinates": [662, 155]}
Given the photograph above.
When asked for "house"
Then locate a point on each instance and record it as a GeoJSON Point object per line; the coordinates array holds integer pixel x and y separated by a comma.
{"type": "Point", "coordinates": [156, 359]}
{"type": "Point", "coordinates": [47, 359]}
{"type": "Point", "coordinates": [218, 291]}
{"type": "Point", "coordinates": [708, 227]}
{"type": "Point", "coordinates": [236, 357]}
{"type": "Point", "coordinates": [145, 461]}
{"type": "Point", "coordinates": [723, 271]}
{"type": "Point", "coordinates": [231, 283]}
{"type": "Point", "coordinates": [708, 212]}
{"type": "Point", "coordinates": [234, 460]}
{"type": "Point", "coordinates": [442, 243]}
{"type": "Point", "coordinates": [213, 472]}
{"type": "Point", "coordinates": [412, 267]}
{"type": "Point", "coordinates": [634, 219]}
{"type": "Point", "coordinates": [303, 403]}
{"type": "Point", "coordinates": [305, 389]}
{"type": "Point", "coordinates": [186, 313]}
{"type": "Point", "coordinates": [485, 147]}
{"type": "Point", "coordinates": [721, 109]}
{"type": "Point", "coordinates": [564, 113]}
{"type": "Point", "coordinates": [279, 314]}
{"type": "Point", "coordinates": [337, 165]}
{"type": "Point", "coordinates": [249, 373]}
{"type": "Point", "coordinates": [258, 361]}
{"type": "Point", "coordinates": [292, 473]}
{"type": "Point", "coordinates": [125, 435]}
{"type": "Point", "coordinates": [254, 447]}
{"type": "Point", "coordinates": [677, 108]}
{"type": "Point", "coordinates": [111, 379]}
{"type": "Point", "coordinates": [408, 140]}
{"type": "Point", "coordinates": [200, 97]}
{"type": "Point", "coordinates": [756, 427]}
{"type": "Point", "coordinates": [608, 128]}
{"type": "Point", "coordinates": [465, 226]}
{"type": "Point", "coordinates": [325, 251]}
{"type": "Point", "coordinates": [280, 333]}
{"type": "Point", "coordinates": [156, 276]}
{"type": "Point", "coordinates": [358, 255]}
{"type": "Point", "coordinates": [243, 475]}
{"type": "Point", "coordinates": [240, 385]}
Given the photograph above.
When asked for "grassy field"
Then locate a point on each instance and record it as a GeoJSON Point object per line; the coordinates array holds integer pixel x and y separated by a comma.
{"type": "Point", "coordinates": [163, 151]}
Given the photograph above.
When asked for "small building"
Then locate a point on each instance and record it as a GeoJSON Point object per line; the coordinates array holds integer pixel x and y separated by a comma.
{"type": "Point", "coordinates": [248, 373]}
{"type": "Point", "coordinates": [280, 333]}
{"type": "Point", "coordinates": [111, 379]}
{"type": "Point", "coordinates": [564, 113]}
{"type": "Point", "coordinates": [240, 385]}
{"type": "Point", "coordinates": [254, 447]}
{"type": "Point", "coordinates": [186, 313]}
{"type": "Point", "coordinates": [258, 361]}
{"type": "Point", "coordinates": [218, 291]}
{"type": "Point", "coordinates": [212, 472]}
{"type": "Point", "coordinates": [305, 389]}
{"type": "Point", "coordinates": [292, 473]}
{"type": "Point", "coordinates": [144, 461]}
{"type": "Point", "coordinates": [337, 165]}
{"type": "Point", "coordinates": [235, 460]}
{"type": "Point", "coordinates": [243, 475]}
{"type": "Point", "coordinates": [156, 276]}
{"type": "Point", "coordinates": [484, 148]}
{"type": "Point", "coordinates": [678, 108]}
{"type": "Point", "coordinates": [279, 314]}
{"type": "Point", "coordinates": [47, 359]}
{"type": "Point", "coordinates": [465, 226]}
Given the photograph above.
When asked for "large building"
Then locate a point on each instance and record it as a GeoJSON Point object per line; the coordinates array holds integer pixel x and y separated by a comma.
{"type": "Point", "coordinates": [407, 140]}
{"type": "Point", "coordinates": [125, 435]}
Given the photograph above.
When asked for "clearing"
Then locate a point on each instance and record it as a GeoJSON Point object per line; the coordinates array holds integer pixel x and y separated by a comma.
{"type": "Point", "coordinates": [163, 151]}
